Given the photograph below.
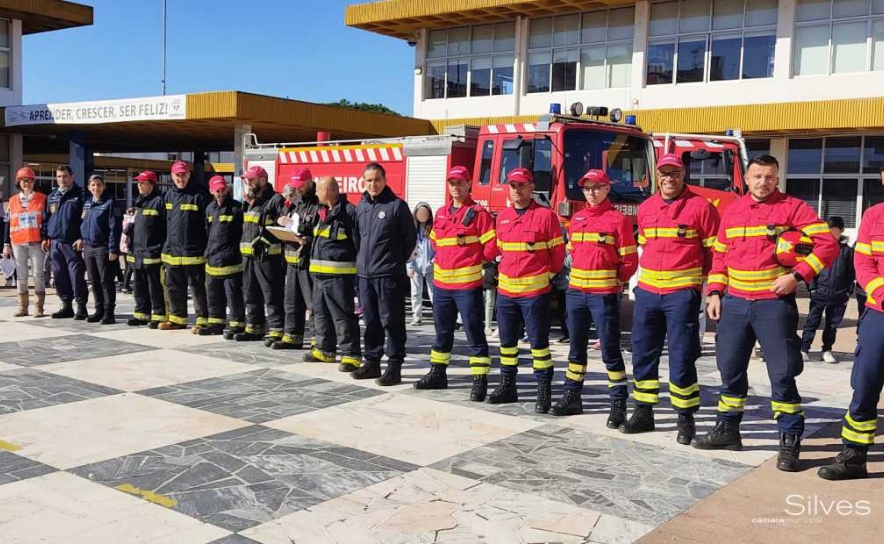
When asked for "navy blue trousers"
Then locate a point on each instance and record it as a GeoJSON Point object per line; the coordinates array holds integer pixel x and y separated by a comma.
{"type": "Point", "coordinates": [383, 310]}
{"type": "Point", "coordinates": [532, 315]}
{"type": "Point", "coordinates": [866, 379]}
{"type": "Point", "coordinates": [834, 315]}
{"type": "Point", "coordinates": [69, 270]}
{"type": "Point", "coordinates": [584, 309]}
{"type": "Point", "coordinates": [447, 304]}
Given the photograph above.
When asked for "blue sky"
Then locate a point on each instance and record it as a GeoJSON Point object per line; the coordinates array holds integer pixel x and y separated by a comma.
{"type": "Point", "coordinates": [299, 49]}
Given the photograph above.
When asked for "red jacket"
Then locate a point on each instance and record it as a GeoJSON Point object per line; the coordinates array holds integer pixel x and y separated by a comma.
{"type": "Point", "coordinates": [532, 250]}
{"type": "Point", "coordinates": [745, 250]}
{"type": "Point", "coordinates": [461, 249]}
{"type": "Point", "coordinates": [868, 257]}
{"type": "Point", "coordinates": [676, 240]}
{"type": "Point", "coordinates": [603, 251]}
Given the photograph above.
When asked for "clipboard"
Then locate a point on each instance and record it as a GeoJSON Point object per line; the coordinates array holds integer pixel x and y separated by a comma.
{"type": "Point", "coordinates": [283, 234]}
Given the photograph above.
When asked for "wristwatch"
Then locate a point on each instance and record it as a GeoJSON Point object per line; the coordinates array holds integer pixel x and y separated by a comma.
{"type": "Point", "coordinates": [715, 293]}
{"type": "Point", "coordinates": [797, 276]}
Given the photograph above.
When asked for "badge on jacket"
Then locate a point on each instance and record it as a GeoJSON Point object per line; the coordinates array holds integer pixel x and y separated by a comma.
{"type": "Point", "coordinates": [382, 214]}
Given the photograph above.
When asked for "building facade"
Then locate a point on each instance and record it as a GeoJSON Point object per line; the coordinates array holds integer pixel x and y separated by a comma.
{"type": "Point", "coordinates": [801, 79]}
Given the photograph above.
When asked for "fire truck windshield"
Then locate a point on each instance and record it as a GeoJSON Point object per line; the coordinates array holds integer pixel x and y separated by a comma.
{"type": "Point", "coordinates": [624, 157]}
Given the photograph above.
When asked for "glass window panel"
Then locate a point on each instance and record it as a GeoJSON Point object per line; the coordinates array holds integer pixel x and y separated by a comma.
{"type": "Point", "coordinates": [4, 33]}
{"type": "Point", "coordinates": [812, 10]}
{"type": "Point", "coordinates": [620, 65]}
{"type": "Point", "coordinates": [873, 193]}
{"type": "Point", "coordinates": [483, 39]}
{"type": "Point", "coordinates": [457, 78]}
{"type": "Point", "coordinates": [540, 33]}
{"type": "Point", "coordinates": [592, 60]}
{"type": "Point", "coordinates": [538, 72]}
{"type": "Point", "coordinates": [458, 41]}
{"type": "Point", "coordinates": [727, 14]}
{"type": "Point", "coordinates": [758, 56]}
{"type": "Point", "coordinates": [4, 69]}
{"type": "Point", "coordinates": [660, 57]}
{"type": "Point", "coordinates": [485, 165]}
{"type": "Point", "coordinates": [566, 30]}
{"type": "Point", "coordinates": [691, 61]}
{"type": "Point", "coordinates": [849, 47]}
{"type": "Point", "coordinates": [878, 45]}
{"type": "Point", "coordinates": [755, 148]}
{"type": "Point", "coordinates": [807, 190]}
{"type": "Point", "coordinates": [437, 43]}
{"type": "Point", "coordinates": [839, 199]}
{"type": "Point", "coordinates": [873, 154]}
{"type": "Point", "coordinates": [693, 16]}
{"type": "Point", "coordinates": [504, 36]}
{"type": "Point", "coordinates": [4, 148]}
{"type": "Point", "coordinates": [480, 77]}
{"type": "Point", "coordinates": [664, 19]}
{"type": "Point", "coordinates": [842, 155]}
{"type": "Point", "coordinates": [436, 79]}
{"type": "Point", "coordinates": [761, 12]}
{"type": "Point", "coordinates": [564, 70]}
{"type": "Point", "coordinates": [877, 6]}
{"type": "Point", "coordinates": [850, 8]}
{"type": "Point", "coordinates": [593, 27]}
{"type": "Point", "coordinates": [725, 62]}
{"type": "Point", "coordinates": [811, 50]}
{"type": "Point", "coordinates": [805, 156]}
{"type": "Point", "coordinates": [621, 24]}
{"type": "Point", "coordinates": [503, 75]}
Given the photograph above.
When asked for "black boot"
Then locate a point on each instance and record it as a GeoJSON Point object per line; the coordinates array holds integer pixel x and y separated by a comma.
{"type": "Point", "coordinates": [642, 420]}
{"type": "Point", "coordinates": [211, 330]}
{"type": "Point", "coordinates": [96, 317]}
{"type": "Point", "coordinates": [108, 318]}
{"type": "Point", "coordinates": [571, 404]}
{"type": "Point", "coordinates": [505, 392]}
{"type": "Point", "coordinates": [724, 436]}
{"type": "Point", "coordinates": [270, 340]}
{"type": "Point", "coordinates": [392, 376]}
{"type": "Point", "coordinates": [850, 464]}
{"type": "Point", "coordinates": [135, 322]}
{"type": "Point", "coordinates": [230, 334]}
{"type": "Point", "coordinates": [248, 336]}
{"type": "Point", "coordinates": [544, 392]}
{"type": "Point", "coordinates": [65, 312]}
{"type": "Point", "coordinates": [617, 415]}
{"type": "Point", "coordinates": [370, 369]}
{"type": "Point", "coordinates": [284, 344]}
{"type": "Point", "coordinates": [81, 314]}
{"type": "Point", "coordinates": [790, 450]}
{"type": "Point", "coordinates": [436, 378]}
{"type": "Point", "coordinates": [479, 389]}
{"type": "Point", "coordinates": [687, 430]}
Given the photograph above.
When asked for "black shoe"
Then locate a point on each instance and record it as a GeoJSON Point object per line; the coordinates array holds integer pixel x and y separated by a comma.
{"type": "Point", "coordinates": [687, 430]}
{"type": "Point", "coordinates": [544, 392]}
{"type": "Point", "coordinates": [436, 378]}
{"type": "Point", "coordinates": [135, 322]}
{"type": "Point", "coordinates": [369, 370]}
{"type": "Point", "coordinates": [108, 318]}
{"type": "Point", "coordinates": [248, 336]}
{"type": "Point", "coordinates": [642, 420]}
{"type": "Point", "coordinates": [153, 325]}
{"type": "Point", "coordinates": [270, 340]}
{"type": "Point", "coordinates": [479, 389]}
{"type": "Point", "coordinates": [94, 318]}
{"type": "Point", "coordinates": [282, 344]}
{"type": "Point", "coordinates": [229, 334]}
{"type": "Point", "coordinates": [850, 464]}
{"type": "Point", "coordinates": [571, 404]}
{"type": "Point", "coordinates": [790, 450]}
{"type": "Point", "coordinates": [210, 330]}
{"type": "Point", "coordinates": [392, 376]}
{"type": "Point", "coordinates": [617, 415]}
{"type": "Point", "coordinates": [344, 367]}
{"type": "Point", "coordinates": [66, 312]}
{"type": "Point", "coordinates": [724, 436]}
{"type": "Point", "coordinates": [81, 314]}
{"type": "Point", "coordinates": [505, 392]}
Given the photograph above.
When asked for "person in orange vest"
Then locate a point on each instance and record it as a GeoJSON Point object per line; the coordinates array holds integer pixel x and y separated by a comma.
{"type": "Point", "coordinates": [603, 258]}
{"type": "Point", "coordinates": [759, 304]}
{"type": "Point", "coordinates": [23, 238]}
{"type": "Point", "coordinates": [462, 236]}
{"type": "Point", "coordinates": [529, 238]}
{"type": "Point", "coordinates": [676, 229]}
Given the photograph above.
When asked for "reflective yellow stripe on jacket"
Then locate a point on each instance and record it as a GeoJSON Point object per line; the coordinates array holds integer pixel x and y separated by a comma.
{"type": "Point", "coordinates": [467, 274]}
{"type": "Point", "coordinates": [218, 271]}
{"type": "Point", "coordinates": [172, 260]}
{"type": "Point", "coordinates": [668, 279]}
{"type": "Point", "coordinates": [593, 237]}
{"type": "Point", "coordinates": [332, 267]}
{"type": "Point", "coordinates": [325, 232]}
{"type": "Point", "coordinates": [753, 280]}
{"type": "Point", "coordinates": [246, 249]}
{"type": "Point", "coordinates": [524, 284]}
{"type": "Point", "coordinates": [526, 246]}
{"type": "Point", "coordinates": [588, 279]}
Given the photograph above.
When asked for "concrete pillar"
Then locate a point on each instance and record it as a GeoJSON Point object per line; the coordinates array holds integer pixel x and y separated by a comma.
{"type": "Point", "coordinates": [520, 62]}
{"type": "Point", "coordinates": [80, 157]}
{"type": "Point", "coordinates": [779, 148]}
{"type": "Point", "coordinates": [420, 64]}
{"type": "Point", "coordinates": [785, 31]}
{"type": "Point", "coordinates": [239, 132]}
{"type": "Point", "coordinates": [639, 52]}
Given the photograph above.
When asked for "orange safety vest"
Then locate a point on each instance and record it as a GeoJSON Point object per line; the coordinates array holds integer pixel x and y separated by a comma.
{"type": "Point", "coordinates": [26, 224]}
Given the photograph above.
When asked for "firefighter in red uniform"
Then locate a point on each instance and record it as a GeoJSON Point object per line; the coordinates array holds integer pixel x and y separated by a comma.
{"type": "Point", "coordinates": [676, 229]}
{"type": "Point", "coordinates": [861, 420]}
{"type": "Point", "coordinates": [760, 304]}
{"type": "Point", "coordinates": [462, 236]}
{"type": "Point", "coordinates": [529, 238]}
{"type": "Point", "coordinates": [603, 258]}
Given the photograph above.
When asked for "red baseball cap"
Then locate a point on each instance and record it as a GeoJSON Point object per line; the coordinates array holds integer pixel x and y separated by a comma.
{"type": "Point", "coordinates": [459, 173]}
{"type": "Point", "coordinates": [520, 175]}
{"type": "Point", "coordinates": [180, 167]}
{"type": "Point", "coordinates": [255, 172]}
{"type": "Point", "coordinates": [594, 176]}
{"type": "Point", "coordinates": [25, 173]}
{"type": "Point", "coordinates": [301, 176]}
{"type": "Point", "coordinates": [670, 159]}
{"type": "Point", "coordinates": [147, 175]}
{"type": "Point", "coordinates": [217, 182]}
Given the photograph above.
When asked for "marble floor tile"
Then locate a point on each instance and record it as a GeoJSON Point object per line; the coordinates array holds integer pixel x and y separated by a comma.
{"type": "Point", "coordinates": [14, 468]}
{"type": "Point", "coordinates": [235, 539]}
{"type": "Point", "coordinates": [252, 353]}
{"type": "Point", "coordinates": [6, 366]}
{"type": "Point", "coordinates": [158, 338]}
{"type": "Point", "coordinates": [246, 477]}
{"type": "Point", "coordinates": [641, 483]}
{"type": "Point", "coordinates": [146, 369]}
{"type": "Point", "coordinates": [72, 347]}
{"type": "Point", "coordinates": [82, 327]}
{"type": "Point", "coordinates": [30, 388]}
{"type": "Point", "coordinates": [261, 395]}
{"type": "Point", "coordinates": [77, 433]}
{"type": "Point", "coordinates": [20, 331]}
{"type": "Point", "coordinates": [389, 424]}
{"type": "Point", "coordinates": [61, 507]}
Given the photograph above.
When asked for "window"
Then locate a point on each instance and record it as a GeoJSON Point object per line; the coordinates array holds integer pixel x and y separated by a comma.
{"type": "Point", "coordinates": [470, 61]}
{"type": "Point", "coordinates": [5, 53]}
{"type": "Point", "coordinates": [533, 154]}
{"type": "Point", "coordinates": [692, 41]}
{"type": "Point", "coordinates": [833, 37]}
{"type": "Point", "coordinates": [712, 170]}
{"type": "Point", "coordinates": [485, 165]}
{"type": "Point", "coordinates": [624, 158]}
{"type": "Point", "coordinates": [588, 51]}
{"type": "Point", "coordinates": [755, 148]}
{"type": "Point", "coordinates": [6, 182]}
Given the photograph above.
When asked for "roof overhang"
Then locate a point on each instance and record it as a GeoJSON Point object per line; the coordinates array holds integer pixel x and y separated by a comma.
{"type": "Point", "coordinates": [46, 15]}
{"type": "Point", "coordinates": [404, 18]}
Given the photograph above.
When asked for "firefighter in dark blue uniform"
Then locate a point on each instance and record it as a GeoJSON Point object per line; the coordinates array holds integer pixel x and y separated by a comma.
{"type": "Point", "coordinates": [64, 213]}
{"type": "Point", "coordinates": [147, 233]}
{"type": "Point", "coordinates": [224, 263]}
{"type": "Point", "coordinates": [101, 245]}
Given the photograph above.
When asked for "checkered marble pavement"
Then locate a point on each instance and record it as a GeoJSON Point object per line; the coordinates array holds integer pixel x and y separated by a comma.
{"type": "Point", "coordinates": [113, 434]}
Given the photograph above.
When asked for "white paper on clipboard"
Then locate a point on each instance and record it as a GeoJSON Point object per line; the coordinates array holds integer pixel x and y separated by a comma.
{"type": "Point", "coordinates": [283, 234]}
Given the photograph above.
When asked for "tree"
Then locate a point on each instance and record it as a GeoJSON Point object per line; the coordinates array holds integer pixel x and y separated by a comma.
{"type": "Point", "coordinates": [375, 108]}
